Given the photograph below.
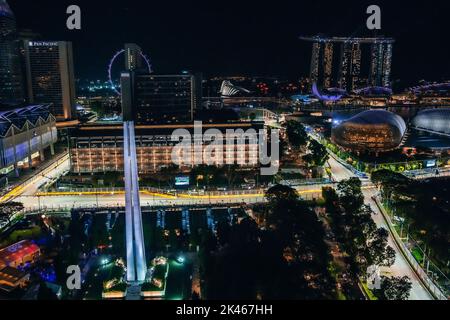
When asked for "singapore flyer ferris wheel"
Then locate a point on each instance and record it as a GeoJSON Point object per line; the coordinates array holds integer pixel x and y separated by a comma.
{"type": "Point", "coordinates": [113, 60]}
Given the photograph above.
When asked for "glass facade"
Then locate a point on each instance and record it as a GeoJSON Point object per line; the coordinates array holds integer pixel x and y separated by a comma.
{"type": "Point", "coordinates": [164, 98]}
{"type": "Point", "coordinates": [25, 131]}
{"type": "Point", "coordinates": [50, 76]}
{"type": "Point", "coordinates": [101, 150]}
{"type": "Point", "coordinates": [373, 130]}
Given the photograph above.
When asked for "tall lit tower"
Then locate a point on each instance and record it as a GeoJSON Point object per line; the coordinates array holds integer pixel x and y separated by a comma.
{"type": "Point", "coordinates": [133, 57]}
{"type": "Point", "coordinates": [328, 65]}
{"type": "Point", "coordinates": [356, 81]}
{"type": "Point", "coordinates": [387, 66]}
{"type": "Point", "coordinates": [11, 84]}
{"type": "Point", "coordinates": [380, 68]}
{"type": "Point", "coordinates": [50, 76]}
{"type": "Point", "coordinates": [315, 58]}
{"type": "Point", "coordinates": [345, 63]}
{"type": "Point", "coordinates": [322, 63]}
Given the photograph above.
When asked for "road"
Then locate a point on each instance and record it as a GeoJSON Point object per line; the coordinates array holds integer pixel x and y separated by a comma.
{"type": "Point", "coordinates": [401, 266]}
{"type": "Point", "coordinates": [31, 186]}
{"type": "Point", "coordinates": [338, 171]}
{"type": "Point", "coordinates": [32, 201]}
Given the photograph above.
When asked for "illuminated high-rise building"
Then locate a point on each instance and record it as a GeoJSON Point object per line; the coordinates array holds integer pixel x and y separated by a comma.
{"type": "Point", "coordinates": [356, 67]}
{"type": "Point", "coordinates": [381, 63]}
{"type": "Point", "coordinates": [344, 65]}
{"type": "Point", "coordinates": [328, 64]}
{"type": "Point", "coordinates": [11, 83]}
{"type": "Point", "coordinates": [322, 63]}
{"type": "Point", "coordinates": [314, 71]}
{"type": "Point", "coordinates": [159, 99]}
{"type": "Point", "coordinates": [50, 76]}
{"type": "Point", "coordinates": [349, 77]}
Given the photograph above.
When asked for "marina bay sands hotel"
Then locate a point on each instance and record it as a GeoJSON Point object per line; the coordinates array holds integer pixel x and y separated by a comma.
{"type": "Point", "coordinates": [348, 69]}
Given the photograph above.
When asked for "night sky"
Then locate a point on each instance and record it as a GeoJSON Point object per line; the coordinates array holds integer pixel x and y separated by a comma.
{"type": "Point", "coordinates": [228, 37]}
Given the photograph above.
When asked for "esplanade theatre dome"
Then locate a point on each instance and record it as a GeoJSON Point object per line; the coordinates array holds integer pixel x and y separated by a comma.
{"type": "Point", "coordinates": [433, 120]}
{"type": "Point", "coordinates": [372, 130]}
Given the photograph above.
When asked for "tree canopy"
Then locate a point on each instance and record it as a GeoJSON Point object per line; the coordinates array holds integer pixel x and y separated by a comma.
{"type": "Point", "coordinates": [296, 134]}
{"type": "Point", "coordinates": [279, 193]}
{"type": "Point", "coordinates": [318, 155]}
{"type": "Point", "coordinates": [391, 182]}
{"type": "Point", "coordinates": [395, 288]}
{"type": "Point", "coordinates": [355, 229]}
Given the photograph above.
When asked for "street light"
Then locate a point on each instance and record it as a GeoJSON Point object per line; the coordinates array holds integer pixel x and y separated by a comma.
{"type": "Point", "coordinates": [39, 203]}
{"type": "Point", "coordinates": [181, 259]}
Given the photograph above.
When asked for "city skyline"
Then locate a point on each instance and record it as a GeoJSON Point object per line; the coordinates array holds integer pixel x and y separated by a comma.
{"type": "Point", "coordinates": [224, 152]}
{"type": "Point", "coordinates": [259, 41]}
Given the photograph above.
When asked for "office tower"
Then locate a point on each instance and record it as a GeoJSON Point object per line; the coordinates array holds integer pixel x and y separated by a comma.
{"type": "Point", "coordinates": [158, 99]}
{"type": "Point", "coordinates": [11, 82]}
{"type": "Point", "coordinates": [350, 70]}
{"type": "Point", "coordinates": [133, 57]}
{"type": "Point", "coordinates": [50, 76]}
